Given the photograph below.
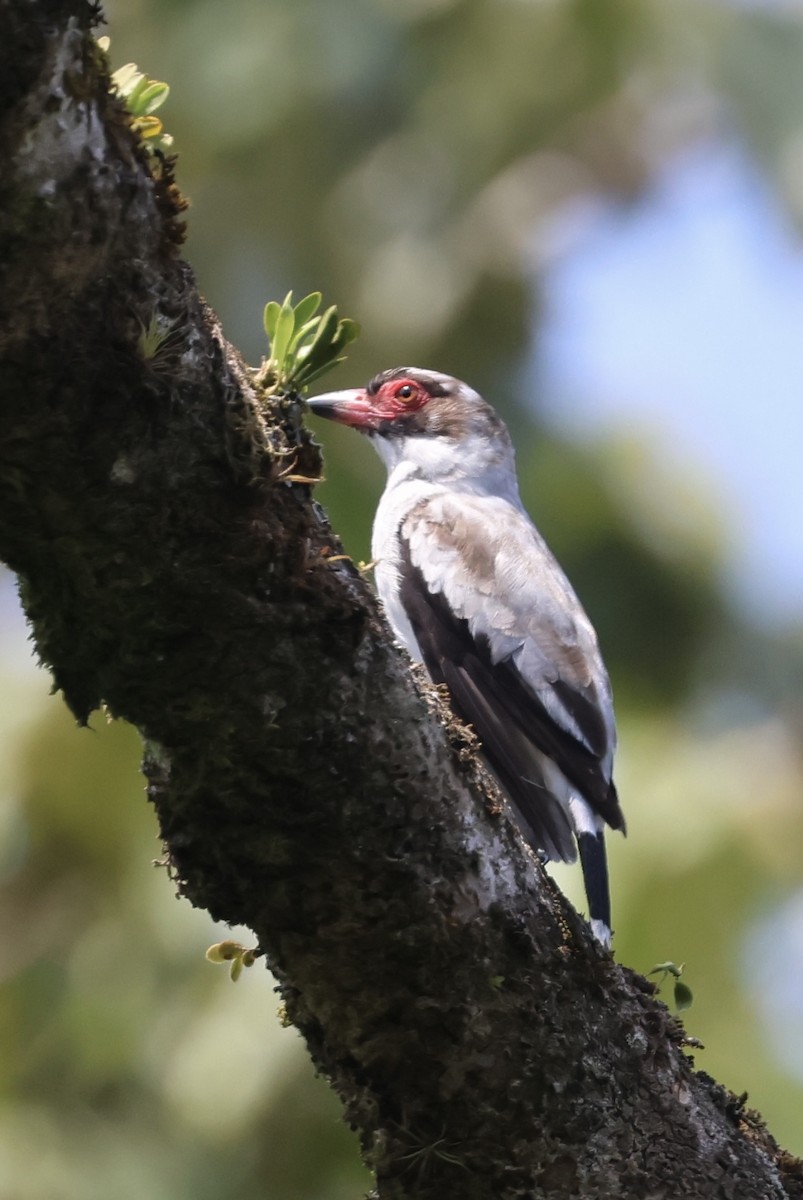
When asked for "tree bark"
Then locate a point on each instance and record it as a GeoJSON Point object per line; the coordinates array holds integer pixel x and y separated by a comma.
{"type": "Point", "coordinates": [175, 571]}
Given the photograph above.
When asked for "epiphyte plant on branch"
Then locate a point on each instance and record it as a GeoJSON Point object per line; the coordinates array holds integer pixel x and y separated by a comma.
{"type": "Point", "coordinates": [681, 991]}
{"type": "Point", "coordinates": [142, 96]}
{"type": "Point", "coordinates": [304, 344]}
{"type": "Point", "coordinates": [236, 955]}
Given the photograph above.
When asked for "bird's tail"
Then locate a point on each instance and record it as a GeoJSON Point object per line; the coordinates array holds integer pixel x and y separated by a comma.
{"type": "Point", "coordinates": [594, 862]}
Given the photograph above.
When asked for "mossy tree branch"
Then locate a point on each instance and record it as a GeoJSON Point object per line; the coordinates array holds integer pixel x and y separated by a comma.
{"type": "Point", "coordinates": [174, 570]}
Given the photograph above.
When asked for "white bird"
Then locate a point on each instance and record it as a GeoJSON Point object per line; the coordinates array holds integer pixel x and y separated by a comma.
{"type": "Point", "coordinates": [472, 591]}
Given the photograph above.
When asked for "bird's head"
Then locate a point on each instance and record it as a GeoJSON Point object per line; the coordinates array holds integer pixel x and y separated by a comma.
{"type": "Point", "coordinates": [435, 422]}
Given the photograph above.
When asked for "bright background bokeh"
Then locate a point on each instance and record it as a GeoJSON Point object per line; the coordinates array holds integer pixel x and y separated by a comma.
{"type": "Point", "coordinates": [592, 213]}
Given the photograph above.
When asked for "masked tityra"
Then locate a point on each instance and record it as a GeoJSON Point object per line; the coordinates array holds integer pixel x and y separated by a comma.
{"type": "Point", "coordinates": [473, 592]}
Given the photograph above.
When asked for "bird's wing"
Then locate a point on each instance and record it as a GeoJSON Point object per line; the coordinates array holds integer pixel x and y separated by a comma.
{"type": "Point", "coordinates": [497, 621]}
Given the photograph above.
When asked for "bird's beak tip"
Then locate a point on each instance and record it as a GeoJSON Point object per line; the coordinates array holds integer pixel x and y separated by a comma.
{"type": "Point", "coordinates": [337, 406]}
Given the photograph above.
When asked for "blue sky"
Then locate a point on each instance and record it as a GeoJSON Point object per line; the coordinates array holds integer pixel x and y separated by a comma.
{"type": "Point", "coordinates": [684, 314]}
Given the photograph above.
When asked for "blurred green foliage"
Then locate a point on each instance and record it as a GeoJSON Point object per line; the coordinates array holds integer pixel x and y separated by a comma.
{"type": "Point", "coordinates": [407, 157]}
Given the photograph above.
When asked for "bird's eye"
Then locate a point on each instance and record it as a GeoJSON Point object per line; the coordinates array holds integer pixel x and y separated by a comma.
{"type": "Point", "coordinates": [405, 392]}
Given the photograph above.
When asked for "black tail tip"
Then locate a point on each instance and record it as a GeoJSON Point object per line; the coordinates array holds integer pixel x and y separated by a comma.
{"type": "Point", "coordinates": [595, 876]}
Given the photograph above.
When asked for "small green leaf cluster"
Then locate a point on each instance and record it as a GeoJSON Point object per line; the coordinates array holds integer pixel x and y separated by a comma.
{"type": "Point", "coordinates": [303, 344]}
{"type": "Point", "coordinates": [684, 998]}
{"type": "Point", "coordinates": [235, 954]}
{"type": "Point", "coordinates": [141, 96]}
{"type": "Point", "coordinates": [155, 336]}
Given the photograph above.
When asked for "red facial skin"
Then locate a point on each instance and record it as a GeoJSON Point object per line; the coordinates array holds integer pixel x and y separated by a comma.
{"type": "Point", "coordinates": [396, 398]}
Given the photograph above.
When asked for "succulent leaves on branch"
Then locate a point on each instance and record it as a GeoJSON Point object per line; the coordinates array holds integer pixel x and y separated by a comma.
{"type": "Point", "coordinates": [141, 96]}
{"type": "Point", "coordinates": [304, 344]}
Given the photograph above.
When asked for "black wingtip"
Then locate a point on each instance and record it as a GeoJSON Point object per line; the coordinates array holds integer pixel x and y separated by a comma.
{"type": "Point", "coordinates": [594, 862]}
